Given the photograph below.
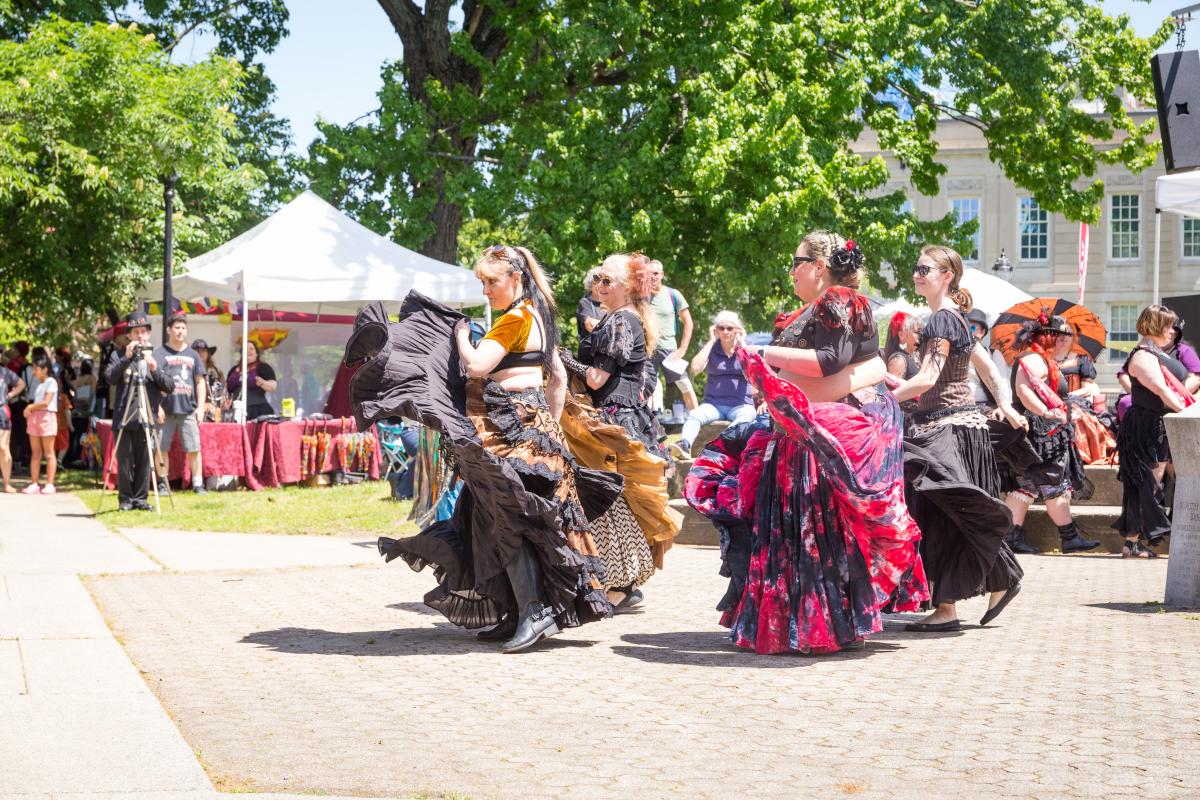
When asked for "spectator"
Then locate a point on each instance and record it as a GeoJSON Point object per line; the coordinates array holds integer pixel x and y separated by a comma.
{"type": "Point", "coordinates": [262, 380]}
{"type": "Point", "coordinates": [11, 387]}
{"type": "Point", "coordinates": [588, 312]}
{"type": "Point", "coordinates": [728, 395]}
{"type": "Point", "coordinates": [85, 391]}
{"type": "Point", "coordinates": [214, 381]}
{"type": "Point", "coordinates": [41, 425]}
{"type": "Point", "coordinates": [670, 309]}
{"type": "Point", "coordinates": [65, 374]}
{"type": "Point", "coordinates": [978, 325]}
{"type": "Point", "coordinates": [903, 332]}
{"type": "Point", "coordinates": [183, 406]}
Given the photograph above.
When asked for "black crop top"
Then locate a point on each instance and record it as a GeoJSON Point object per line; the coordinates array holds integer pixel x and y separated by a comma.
{"type": "Point", "coordinates": [618, 346]}
{"type": "Point", "coordinates": [839, 327]}
{"type": "Point", "coordinates": [1144, 397]}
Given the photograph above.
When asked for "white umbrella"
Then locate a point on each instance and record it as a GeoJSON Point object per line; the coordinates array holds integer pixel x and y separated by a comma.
{"type": "Point", "coordinates": [892, 307]}
{"type": "Point", "coordinates": [990, 294]}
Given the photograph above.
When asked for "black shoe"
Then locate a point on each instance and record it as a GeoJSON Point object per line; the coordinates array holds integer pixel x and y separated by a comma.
{"type": "Point", "coordinates": [125, 506]}
{"type": "Point", "coordinates": [142, 505]}
{"type": "Point", "coordinates": [537, 624]}
{"type": "Point", "coordinates": [995, 610]}
{"type": "Point", "coordinates": [1023, 547]}
{"type": "Point", "coordinates": [164, 488]}
{"type": "Point", "coordinates": [934, 627]}
{"type": "Point", "coordinates": [199, 489]}
{"type": "Point", "coordinates": [501, 631]}
{"type": "Point", "coordinates": [857, 644]}
{"type": "Point", "coordinates": [1078, 544]}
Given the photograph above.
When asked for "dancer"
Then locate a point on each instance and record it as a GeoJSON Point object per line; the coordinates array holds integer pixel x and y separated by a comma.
{"type": "Point", "coordinates": [613, 428]}
{"type": "Point", "coordinates": [948, 458]}
{"type": "Point", "coordinates": [1040, 393]}
{"type": "Point", "coordinates": [1157, 386]}
{"type": "Point", "coordinates": [812, 505]}
{"type": "Point", "coordinates": [517, 553]}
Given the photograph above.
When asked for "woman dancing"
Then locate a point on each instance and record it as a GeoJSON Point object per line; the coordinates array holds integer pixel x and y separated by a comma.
{"type": "Point", "coordinates": [1157, 386]}
{"type": "Point", "coordinates": [518, 551]}
{"type": "Point", "coordinates": [616, 431]}
{"type": "Point", "coordinates": [1040, 393]}
{"type": "Point", "coordinates": [812, 507]}
{"type": "Point", "coordinates": [949, 458]}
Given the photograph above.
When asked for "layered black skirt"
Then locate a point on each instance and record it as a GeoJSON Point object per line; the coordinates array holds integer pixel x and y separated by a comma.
{"type": "Point", "coordinates": [1142, 443]}
{"type": "Point", "coordinates": [953, 492]}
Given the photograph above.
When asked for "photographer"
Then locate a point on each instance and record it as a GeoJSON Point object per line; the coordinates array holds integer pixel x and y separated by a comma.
{"type": "Point", "coordinates": [128, 368]}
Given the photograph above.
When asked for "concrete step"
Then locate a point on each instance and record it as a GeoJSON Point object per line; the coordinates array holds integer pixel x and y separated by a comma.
{"type": "Point", "coordinates": [1108, 488]}
{"type": "Point", "coordinates": [1040, 531]}
{"type": "Point", "coordinates": [680, 477]}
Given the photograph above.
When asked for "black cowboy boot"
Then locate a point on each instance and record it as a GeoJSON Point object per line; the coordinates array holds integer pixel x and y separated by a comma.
{"type": "Point", "coordinates": [501, 631]}
{"type": "Point", "coordinates": [536, 619]}
{"type": "Point", "coordinates": [1016, 540]}
{"type": "Point", "coordinates": [1072, 541]}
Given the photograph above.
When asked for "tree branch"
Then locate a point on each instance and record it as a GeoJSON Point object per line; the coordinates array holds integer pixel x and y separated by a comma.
{"type": "Point", "coordinates": [197, 23]}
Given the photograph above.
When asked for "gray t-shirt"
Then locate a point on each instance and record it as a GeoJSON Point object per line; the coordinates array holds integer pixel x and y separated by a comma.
{"type": "Point", "coordinates": [8, 379]}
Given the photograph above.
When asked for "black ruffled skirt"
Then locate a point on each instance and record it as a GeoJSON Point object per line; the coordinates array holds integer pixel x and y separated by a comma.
{"type": "Point", "coordinates": [534, 492]}
{"type": "Point", "coordinates": [953, 492]}
{"type": "Point", "coordinates": [1142, 443]}
{"type": "Point", "coordinates": [1059, 468]}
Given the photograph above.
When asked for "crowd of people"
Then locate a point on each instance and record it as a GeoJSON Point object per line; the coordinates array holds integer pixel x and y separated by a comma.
{"type": "Point", "coordinates": [852, 481]}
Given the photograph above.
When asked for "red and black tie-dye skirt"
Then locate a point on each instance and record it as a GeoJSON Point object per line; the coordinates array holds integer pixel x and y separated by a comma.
{"type": "Point", "coordinates": [815, 533]}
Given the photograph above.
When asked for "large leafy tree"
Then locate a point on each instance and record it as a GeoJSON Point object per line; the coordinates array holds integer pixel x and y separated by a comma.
{"type": "Point", "coordinates": [713, 134]}
{"type": "Point", "coordinates": [91, 116]}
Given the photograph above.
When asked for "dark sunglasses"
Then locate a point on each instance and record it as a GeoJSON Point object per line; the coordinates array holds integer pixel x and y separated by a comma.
{"type": "Point", "coordinates": [798, 260]}
{"type": "Point", "coordinates": [499, 251]}
{"type": "Point", "coordinates": [604, 280]}
{"type": "Point", "coordinates": [726, 328]}
{"type": "Point", "coordinates": [925, 269]}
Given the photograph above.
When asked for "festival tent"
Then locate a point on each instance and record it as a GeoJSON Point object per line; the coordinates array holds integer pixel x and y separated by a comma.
{"type": "Point", "coordinates": [1178, 193]}
{"type": "Point", "coordinates": [990, 294]}
{"type": "Point", "coordinates": [309, 257]}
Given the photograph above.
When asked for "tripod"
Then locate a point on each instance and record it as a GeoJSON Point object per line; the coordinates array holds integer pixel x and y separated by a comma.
{"type": "Point", "coordinates": [136, 405]}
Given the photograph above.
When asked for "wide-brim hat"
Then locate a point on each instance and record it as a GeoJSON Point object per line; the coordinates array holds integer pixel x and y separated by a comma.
{"type": "Point", "coordinates": [200, 344]}
{"type": "Point", "coordinates": [1055, 324]}
{"type": "Point", "coordinates": [979, 318]}
{"type": "Point", "coordinates": [137, 319]}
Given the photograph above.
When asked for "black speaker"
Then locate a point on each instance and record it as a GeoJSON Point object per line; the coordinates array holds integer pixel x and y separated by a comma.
{"type": "Point", "coordinates": [1188, 308]}
{"type": "Point", "coordinates": [1177, 93]}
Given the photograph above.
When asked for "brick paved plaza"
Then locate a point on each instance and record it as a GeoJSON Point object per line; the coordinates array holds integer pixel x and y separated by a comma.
{"type": "Point", "coordinates": [337, 679]}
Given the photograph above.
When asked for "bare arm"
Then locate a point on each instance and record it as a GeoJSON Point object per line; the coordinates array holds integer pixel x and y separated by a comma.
{"type": "Point", "coordinates": [201, 392]}
{"type": "Point", "coordinates": [478, 361]}
{"type": "Point", "coordinates": [1026, 392]}
{"type": "Point", "coordinates": [928, 374]}
{"type": "Point", "coordinates": [686, 338]}
{"type": "Point", "coordinates": [596, 377]}
{"type": "Point", "coordinates": [989, 376]}
{"type": "Point", "coordinates": [794, 360]}
{"type": "Point", "coordinates": [700, 360]}
{"type": "Point", "coordinates": [897, 366]}
{"type": "Point", "coordinates": [1146, 369]}
{"type": "Point", "coordinates": [556, 387]}
{"type": "Point", "coordinates": [17, 388]}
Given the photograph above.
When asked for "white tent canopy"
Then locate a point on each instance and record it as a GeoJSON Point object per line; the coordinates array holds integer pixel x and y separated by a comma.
{"type": "Point", "coordinates": [991, 295]}
{"type": "Point", "coordinates": [1176, 194]}
{"type": "Point", "coordinates": [310, 257]}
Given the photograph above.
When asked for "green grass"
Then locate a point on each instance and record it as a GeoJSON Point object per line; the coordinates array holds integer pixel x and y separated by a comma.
{"type": "Point", "coordinates": [363, 508]}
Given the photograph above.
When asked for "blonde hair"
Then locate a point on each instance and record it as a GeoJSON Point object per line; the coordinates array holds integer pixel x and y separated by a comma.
{"type": "Point", "coordinates": [634, 271]}
{"type": "Point", "coordinates": [501, 260]}
{"type": "Point", "coordinates": [823, 244]}
{"type": "Point", "coordinates": [1155, 320]}
{"type": "Point", "coordinates": [948, 259]}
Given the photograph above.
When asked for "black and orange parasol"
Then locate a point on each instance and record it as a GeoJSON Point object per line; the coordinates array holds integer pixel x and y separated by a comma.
{"type": "Point", "coordinates": [1090, 334]}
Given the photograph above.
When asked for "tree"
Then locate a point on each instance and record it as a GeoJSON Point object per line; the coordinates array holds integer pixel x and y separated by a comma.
{"type": "Point", "coordinates": [91, 117]}
{"type": "Point", "coordinates": [712, 135]}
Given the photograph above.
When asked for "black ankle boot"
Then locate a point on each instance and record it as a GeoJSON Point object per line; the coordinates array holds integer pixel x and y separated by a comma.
{"type": "Point", "coordinates": [501, 631]}
{"type": "Point", "coordinates": [1016, 540]}
{"type": "Point", "coordinates": [536, 620]}
{"type": "Point", "coordinates": [1072, 542]}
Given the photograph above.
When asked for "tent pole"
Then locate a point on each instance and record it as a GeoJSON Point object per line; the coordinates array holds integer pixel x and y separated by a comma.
{"type": "Point", "coordinates": [1157, 244]}
{"type": "Point", "coordinates": [245, 345]}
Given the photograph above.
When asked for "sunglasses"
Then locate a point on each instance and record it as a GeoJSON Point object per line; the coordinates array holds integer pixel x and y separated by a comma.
{"type": "Point", "coordinates": [925, 269]}
{"type": "Point", "coordinates": [726, 328]}
{"type": "Point", "coordinates": [499, 251]}
{"type": "Point", "coordinates": [798, 260]}
{"type": "Point", "coordinates": [604, 280]}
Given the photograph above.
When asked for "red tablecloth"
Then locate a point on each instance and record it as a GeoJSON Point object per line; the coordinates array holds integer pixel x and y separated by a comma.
{"type": "Point", "coordinates": [260, 453]}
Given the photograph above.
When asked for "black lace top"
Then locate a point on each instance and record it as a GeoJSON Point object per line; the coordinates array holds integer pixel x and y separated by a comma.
{"type": "Point", "coordinates": [953, 387]}
{"type": "Point", "coordinates": [618, 346]}
{"type": "Point", "coordinates": [1144, 397]}
{"type": "Point", "coordinates": [839, 327]}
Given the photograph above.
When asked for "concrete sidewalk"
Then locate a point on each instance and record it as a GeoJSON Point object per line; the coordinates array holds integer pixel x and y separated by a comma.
{"type": "Point", "coordinates": [79, 721]}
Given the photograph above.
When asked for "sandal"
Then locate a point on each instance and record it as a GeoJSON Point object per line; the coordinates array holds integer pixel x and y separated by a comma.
{"type": "Point", "coordinates": [1145, 552]}
{"type": "Point", "coordinates": [1129, 549]}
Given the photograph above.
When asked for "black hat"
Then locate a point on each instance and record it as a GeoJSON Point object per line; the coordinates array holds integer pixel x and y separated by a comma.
{"type": "Point", "coordinates": [137, 319]}
{"type": "Point", "coordinates": [1055, 324]}
{"type": "Point", "coordinates": [979, 318]}
{"type": "Point", "coordinates": [200, 344]}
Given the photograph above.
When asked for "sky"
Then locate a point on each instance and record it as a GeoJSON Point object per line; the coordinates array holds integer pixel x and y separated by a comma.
{"type": "Point", "coordinates": [329, 65]}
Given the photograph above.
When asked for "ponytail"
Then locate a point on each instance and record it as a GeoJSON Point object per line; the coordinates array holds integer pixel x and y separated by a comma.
{"type": "Point", "coordinates": [961, 296]}
{"type": "Point", "coordinates": [534, 285]}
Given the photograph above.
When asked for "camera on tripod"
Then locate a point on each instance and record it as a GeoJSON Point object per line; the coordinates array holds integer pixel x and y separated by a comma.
{"type": "Point", "coordinates": [139, 352]}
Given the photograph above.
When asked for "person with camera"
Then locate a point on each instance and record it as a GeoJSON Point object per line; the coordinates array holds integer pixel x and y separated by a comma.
{"type": "Point", "coordinates": [132, 370]}
{"type": "Point", "coordinates": [183, 407]}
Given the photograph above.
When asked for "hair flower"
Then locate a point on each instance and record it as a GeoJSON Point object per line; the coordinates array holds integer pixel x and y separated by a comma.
{"type": "Point", "coordinates": [850, 244]}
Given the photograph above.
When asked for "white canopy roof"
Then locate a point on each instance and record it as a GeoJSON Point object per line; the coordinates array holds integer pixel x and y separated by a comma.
{"type": "Point", "coordinates": [1178, 193]}
{"type": "Point", "coordinates": [309, 256]}
{"type": "Point", "coordinates": [991, 295]}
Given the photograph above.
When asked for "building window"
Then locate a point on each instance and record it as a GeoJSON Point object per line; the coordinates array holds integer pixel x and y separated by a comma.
{"type": "Point", "coordinates": [1191, 238]}
{"type": "Point", "coordinates": [1122, 327]}
{"type": "Point", "coordinates": [1033, 222]}
{"type": "Point", "coordinates": [967, 209]}
{"type": "Point", "coordinates": [1124, 227]}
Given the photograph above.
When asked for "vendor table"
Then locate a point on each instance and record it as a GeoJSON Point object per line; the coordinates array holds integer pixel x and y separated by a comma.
{"type": "Point", "coordinates": [260, 453]}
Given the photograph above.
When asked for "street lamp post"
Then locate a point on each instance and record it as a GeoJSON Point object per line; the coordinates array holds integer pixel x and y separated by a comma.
{"type": "Point", "coordinates": [168, 251]}
{"type": "Point", "coordinates": [1003, 268]}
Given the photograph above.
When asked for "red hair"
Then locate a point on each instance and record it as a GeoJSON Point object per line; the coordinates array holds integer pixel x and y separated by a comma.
{"type": "Point", "coordinates": [898, 320]}
{"type": "Point", "coordinates": [1043, 344]}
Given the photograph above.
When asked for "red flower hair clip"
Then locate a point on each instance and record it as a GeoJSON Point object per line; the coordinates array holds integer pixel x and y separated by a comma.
{"type": "Point", "coordinates": [850, 245]}
{"type": "Point", "coordinates": [1043, 319]}
{"type": "Point", "coordinates": [898, 320]}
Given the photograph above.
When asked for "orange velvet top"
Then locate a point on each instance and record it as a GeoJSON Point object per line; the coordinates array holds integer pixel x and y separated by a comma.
{"type": "Point", "coordinates": [511, 331]}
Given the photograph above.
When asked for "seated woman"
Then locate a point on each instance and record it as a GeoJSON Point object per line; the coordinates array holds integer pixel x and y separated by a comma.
{"type": "Point", "coordinates": [1094, 441]}
{"type": "Point", "coordinates": [727, 395]}
{"type": "Point", "coordinates": [811, 506]}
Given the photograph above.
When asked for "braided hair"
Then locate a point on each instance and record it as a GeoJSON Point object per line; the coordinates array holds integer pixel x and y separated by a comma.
{"type": "Point", "coordinates": [844, 258]}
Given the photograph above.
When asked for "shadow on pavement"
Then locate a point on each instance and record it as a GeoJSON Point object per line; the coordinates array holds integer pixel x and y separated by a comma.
{"type": "Point", "coordinates": [714, 649]}
{"type": "Point", "coordinates": [443, 640]}
{"type": "Point", "coordinates": [1147, 607]}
